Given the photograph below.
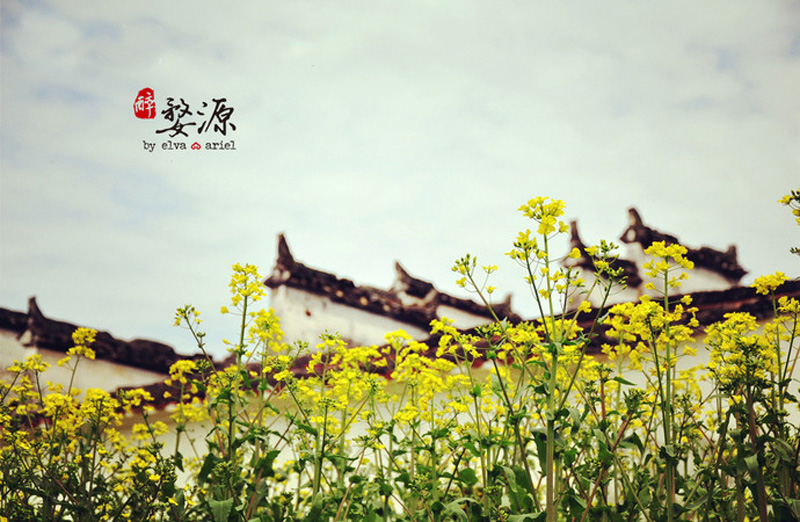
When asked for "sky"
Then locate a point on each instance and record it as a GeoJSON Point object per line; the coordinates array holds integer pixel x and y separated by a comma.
{"type": "Point", "coordinates": [374, 131]}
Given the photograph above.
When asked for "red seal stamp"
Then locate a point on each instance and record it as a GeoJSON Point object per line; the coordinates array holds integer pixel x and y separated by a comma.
{"type": "Point", "coordinates": [145, 105]}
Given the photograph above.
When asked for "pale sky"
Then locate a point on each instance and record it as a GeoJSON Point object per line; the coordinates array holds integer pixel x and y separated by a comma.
{"type": "Point", "coordinates": [374, 131]}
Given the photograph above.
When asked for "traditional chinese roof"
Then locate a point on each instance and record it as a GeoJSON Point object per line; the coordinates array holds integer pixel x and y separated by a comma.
{"type": "Point", "coordinates": [724, 263]}
{"type": "Point", "coordinates": [33, 329]}
{"type": "Point", "coordinates": [406, 283]}
{"type": "Point", "coordinates": [712, 307]}
{"type": "Point", "coordinates": [410, 300]}
{"type": "Point", "coordinates": [629, 269]}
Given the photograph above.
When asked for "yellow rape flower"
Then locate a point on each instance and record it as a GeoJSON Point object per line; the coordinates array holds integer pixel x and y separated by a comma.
{"type": "Point", "coordinates": [792, 200]}
{"type": "Point", "coordinates": [788, 305]}
{"type": "Point", "coordinates": [666, 259]}
{"type": "Point", "coordinates": [738, 356]}
{"type": "Point", "coordinates": [180, 369]}
{"type": "Point", "coordinates": [245, 284]}
{"type": "Point", "coordinates": [769, 283]}
{"type": "Point", "coordinates": [83, 336]}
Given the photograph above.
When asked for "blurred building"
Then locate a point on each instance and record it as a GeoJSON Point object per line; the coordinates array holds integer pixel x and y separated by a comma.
{"type": "Point", "coordinates": [311, 302]}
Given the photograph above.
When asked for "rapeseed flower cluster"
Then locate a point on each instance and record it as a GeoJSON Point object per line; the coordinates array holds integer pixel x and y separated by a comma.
{"type": "Point", "coordinates": [767, 284]}
{"type": "Point", "coordinates": [740, 356]}
{"type": "Point", "coordinates": [83, 337]}
{"type": "Point", "coordinates": [792, 200]}
{"type": "Point", "coordinates": [245, 285]}
{"type": "Point", "coordinates": [546, 212]}
{"type": "Point", "coordinates": [63, 456]}
{"type": "Point", "coordinates": [666, 260]}
{"type": "Point", "coordinates": [643, 328]}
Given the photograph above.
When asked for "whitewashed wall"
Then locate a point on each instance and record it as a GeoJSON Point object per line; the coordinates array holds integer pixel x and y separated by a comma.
{"type": "Point", "coordinates": [304, 316]}
{"type": "Point", "coordinates": [100, 374]}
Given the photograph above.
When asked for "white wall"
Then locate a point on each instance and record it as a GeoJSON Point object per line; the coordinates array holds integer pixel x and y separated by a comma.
{"type": "Point", "coordinates": [304, 316]}
{"type": "Point", "coordinates": [461, 319]}
{"type": "Point", "coordinates": [100, 374]}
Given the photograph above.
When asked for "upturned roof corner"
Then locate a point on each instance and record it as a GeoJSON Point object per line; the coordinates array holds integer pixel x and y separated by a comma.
{"type": "Point", "coordinates": [405, 282]}
{"type": "Point", "coordinates": [34, 330]}
{"type": "Point", "coordinates": [724, 263]}
{"type": "Point", "coordinates": [394, 302]}
{"type": "Point", "coordinates": [629, 269]}
{"type": "Point", "coordinates": [285, 257]}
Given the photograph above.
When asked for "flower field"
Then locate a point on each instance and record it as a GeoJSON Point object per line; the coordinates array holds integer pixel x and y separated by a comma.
{"type": "Point", "coordinates": [583, 414]}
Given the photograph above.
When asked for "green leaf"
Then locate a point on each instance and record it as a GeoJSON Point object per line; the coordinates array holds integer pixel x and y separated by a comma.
{"type": "Point", "coordinates": [576, 417]}
{"type": "Point", "coordinates": [535, 517]}
{"type": "Point", "coordinates": [603, 454]}
{"type": "Point", "coordinates": [623, 381]}
{"type": "Point", "coordinates": [784, 450]}
{"type": "Point", "coordinates": [468, 477]}
{"type": "Point", "coordinates": [644, 496]}
{"type": "Point", "coordinates": [208, 465]}
{"type": "Point", "coordinates": [311, 430]}
{"type": "Point", "coordinates": [540, 439]}
{"type": "Point", "coordinates": [635, 441]}
{"type": "Point", "coordinates": [752, 464]}
{"type": "Point", "coordinates": [454, 508]}
{"type": "Point", "coordinates": [669, 453]}
{"type": "Point", "coordinates": [519, 486]}
{"type": "Point", "coordinates": [440, 433]}
{"type": "Point", "coordinates": [178, 460]}
{"type": "Point", "coordinates": [265, 463]}
{"type": "Point", "coordinates": [220, 509]}
{"type": "Point", "coordinates": [795, 505]}
{"type": "Point", "coordinates": [384, 489]}
{"type": "Point", "coordinates": [315, 515]}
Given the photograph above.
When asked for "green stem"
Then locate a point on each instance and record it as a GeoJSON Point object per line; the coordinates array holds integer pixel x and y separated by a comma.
{"type": "Point", "coordinates": [551, 439]}
{"type": "Point", "coordinates": [761, 493]}
{"type": "Point", "coordinates": [666, 401]}
{"type": "Point", "coordinates": [583, 350]}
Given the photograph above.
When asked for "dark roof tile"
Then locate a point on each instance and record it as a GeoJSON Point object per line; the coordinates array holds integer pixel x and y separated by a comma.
{"type": "Point", "coordinates": [630, 270]}
{"type": "Point", "coordinates": [55, 335]}
{"type": "Point", "coordinates": [291, 273]}
{"type": "Point", "coordinates": [724, 263]}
